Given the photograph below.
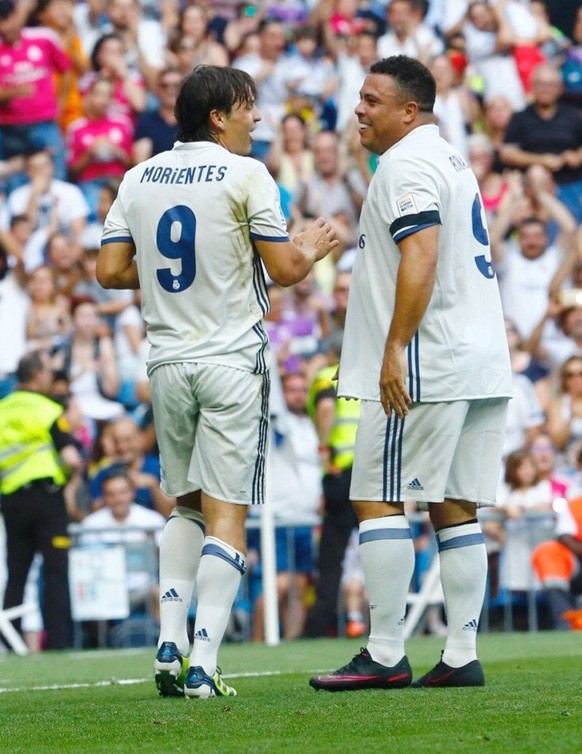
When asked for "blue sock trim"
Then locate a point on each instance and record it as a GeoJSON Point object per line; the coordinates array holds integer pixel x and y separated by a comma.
{"type": "Point", "coordinates": [237, 562]}
{"type": "Point", "coordinates": [375, 534]}
{"type": "Point", "coordinates": [465, 540]}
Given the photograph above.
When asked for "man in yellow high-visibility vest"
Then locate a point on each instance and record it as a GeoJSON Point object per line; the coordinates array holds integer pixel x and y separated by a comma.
{"type": "Point", "coordinates": [336, 421]}
{"type": "Point", "coordinates": [36, 453]}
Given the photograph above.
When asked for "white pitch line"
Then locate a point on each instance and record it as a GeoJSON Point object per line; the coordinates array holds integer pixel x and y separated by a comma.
{"type": "Point", "coordinates": [99, 654]}
{"type": "Point", "coordinates": [60, 686]}
{"type": "Point", "coordinates": [134, 681]}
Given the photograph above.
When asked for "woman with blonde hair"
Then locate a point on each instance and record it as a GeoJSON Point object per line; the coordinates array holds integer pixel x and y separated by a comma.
{"type": "Point", "coordinates": [49, 318]}
{"type": "Point", "coordinates": [565, 409]}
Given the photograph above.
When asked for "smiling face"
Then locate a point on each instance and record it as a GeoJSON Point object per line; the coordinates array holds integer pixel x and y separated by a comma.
{"type": "Point", "coordinates": [126, 440]}
{"type": "Point", "coordinates": [381, 113]}
{"type": "Point", "coordinates": [118, 494]}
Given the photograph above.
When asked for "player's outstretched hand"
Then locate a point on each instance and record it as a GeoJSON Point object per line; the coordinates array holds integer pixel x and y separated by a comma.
{"type": "Point", "coordinates": [320, 235]}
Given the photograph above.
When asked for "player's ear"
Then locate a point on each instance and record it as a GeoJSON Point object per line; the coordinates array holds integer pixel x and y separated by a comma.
{"type": "Point", "coordinates": [216, 120]}
{"type": "Point", "coordinates": [411, 110]}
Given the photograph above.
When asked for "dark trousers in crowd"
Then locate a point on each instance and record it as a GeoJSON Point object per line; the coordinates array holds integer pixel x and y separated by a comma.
{"type": "Point", "coordinates": [562, 600]}
{"type": "Point", "coordinates": [338, 523]}
{"type": "Point", "coordinates": [35, 520]}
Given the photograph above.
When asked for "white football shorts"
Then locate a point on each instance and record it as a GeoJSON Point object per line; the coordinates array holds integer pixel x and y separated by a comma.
{"type": "Point", "coordinates": [212, 427]}
{"type": "Point", "coordinates": [438, 451]}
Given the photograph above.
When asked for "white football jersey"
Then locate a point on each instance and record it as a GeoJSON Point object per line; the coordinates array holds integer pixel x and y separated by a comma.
{"type": "Point", "coordinates": [460, 349]}
{"type": "Point", "coordinates": [524, 285]}
{"type": "Point", "coordinates": [193, 213]}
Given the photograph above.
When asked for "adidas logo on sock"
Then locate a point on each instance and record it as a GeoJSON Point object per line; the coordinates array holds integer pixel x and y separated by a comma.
{"type": "Point", "coordinates": [472, 625]}
{"type": "Point", "coordinates": [201, 635]}
{"type": "Point", "coordinates": [415, 485]}
{"type": "Point", "coordinates": [171, 596]}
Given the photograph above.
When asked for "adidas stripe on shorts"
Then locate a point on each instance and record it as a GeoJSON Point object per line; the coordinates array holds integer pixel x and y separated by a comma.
{"type": "Point", "coordinates": [438, 451]}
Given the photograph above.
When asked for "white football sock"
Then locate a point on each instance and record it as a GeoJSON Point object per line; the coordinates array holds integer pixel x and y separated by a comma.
{"type": "Point", "coordinates": [180, 549]}
{"type": "Point", "coordinates": [219, 575]}
{"type": "Point", "coordinates": [387, 554]}
{"type": "Point", "coordinates": [463, 564]}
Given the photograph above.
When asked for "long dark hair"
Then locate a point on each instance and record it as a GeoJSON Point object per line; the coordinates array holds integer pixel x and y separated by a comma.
{"type": "Point", "coordinates": [95, 64]}
{"type": "Point", "coordinates": [208, 88]}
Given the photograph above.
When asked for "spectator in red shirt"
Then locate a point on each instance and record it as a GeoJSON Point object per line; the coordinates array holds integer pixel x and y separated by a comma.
{"type": "Point", "coordinates": [99, 145]}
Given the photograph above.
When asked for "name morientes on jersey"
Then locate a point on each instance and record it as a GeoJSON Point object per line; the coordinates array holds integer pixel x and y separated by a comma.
{"type": "Point", "coordinates": [196, 174]}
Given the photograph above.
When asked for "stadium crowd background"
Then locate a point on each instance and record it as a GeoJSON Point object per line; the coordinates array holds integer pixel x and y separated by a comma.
{"type": "Point", "coordinates": [87, 90]}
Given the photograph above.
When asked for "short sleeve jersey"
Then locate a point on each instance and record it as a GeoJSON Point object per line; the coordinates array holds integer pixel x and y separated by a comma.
{"type": "Point", "coordinates": [193, 214]}
{"type": "Point", "coordinates": [459, 352]}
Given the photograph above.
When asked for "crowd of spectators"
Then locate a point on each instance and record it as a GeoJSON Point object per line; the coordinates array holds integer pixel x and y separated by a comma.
{"type": "Point", "coordinates": [87, 90]}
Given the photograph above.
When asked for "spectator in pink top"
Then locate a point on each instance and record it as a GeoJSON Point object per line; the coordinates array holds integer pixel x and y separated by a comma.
{"type": "Point", "coordinates": [98, 144]}
{"type": "Point", "coordinates": [29, 58]}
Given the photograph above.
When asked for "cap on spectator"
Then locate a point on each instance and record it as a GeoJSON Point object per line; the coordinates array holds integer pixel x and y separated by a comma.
{"type": "Point", "coordinates": [7, 8]}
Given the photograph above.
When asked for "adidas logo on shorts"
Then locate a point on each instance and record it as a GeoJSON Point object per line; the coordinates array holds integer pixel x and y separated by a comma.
{"type": "Point", "coordinates": [415, 485]}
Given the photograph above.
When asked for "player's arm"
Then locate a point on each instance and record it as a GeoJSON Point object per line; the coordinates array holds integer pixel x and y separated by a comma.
{"type": "Point", "coordinates": [324, 420]}
{"type": "Point", "coordinates": [116, 266]}
{"type": "Point", "coordinates": [414, 287]}
{"type": "Point", "coordinates": [514, 156]}
{"type": "Point", "coordinates": [288, 262]}
{"type": "Point", "coordinates": [65, 444]}
{"type": "Point", "coordinates": [501, 224]}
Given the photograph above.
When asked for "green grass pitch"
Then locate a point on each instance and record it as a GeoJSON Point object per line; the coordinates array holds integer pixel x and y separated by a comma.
{"type": "Point", "coordinates": [105, 701]}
